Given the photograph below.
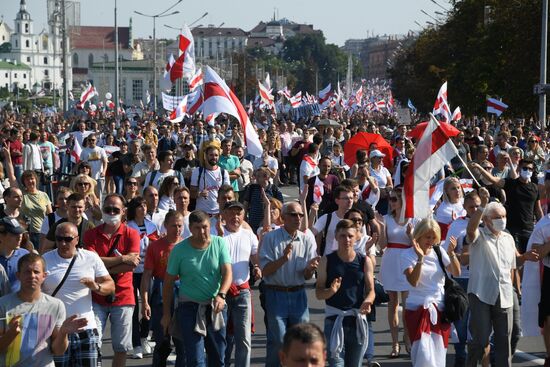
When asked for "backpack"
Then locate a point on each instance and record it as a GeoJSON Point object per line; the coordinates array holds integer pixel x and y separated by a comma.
{"type": "Point", "coordinates": [323, 243]}
{"type": "Point", "coordinates": [201, 170]}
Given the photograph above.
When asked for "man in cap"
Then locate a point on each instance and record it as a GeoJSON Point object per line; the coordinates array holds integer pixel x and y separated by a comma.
{"type": "Point", "coordinates": [11, 233]}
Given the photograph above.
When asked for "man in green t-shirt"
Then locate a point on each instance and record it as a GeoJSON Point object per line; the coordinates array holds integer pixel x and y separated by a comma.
{"type": "Point", "coordinates": [203, 265]}
{"type": "Point", "coordinates": [230, 163]}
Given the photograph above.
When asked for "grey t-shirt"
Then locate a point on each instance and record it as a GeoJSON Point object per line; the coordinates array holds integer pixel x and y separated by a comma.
{"type": "Point", "coordinates": [38, 319]}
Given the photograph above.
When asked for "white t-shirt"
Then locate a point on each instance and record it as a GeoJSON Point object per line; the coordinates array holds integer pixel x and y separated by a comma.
{"type": "Point", "coordinates": [381, 176]}
{"type": "Point", "coordinates": [430, 288]}
{"type": "Point", "coordinates": [307, 170]}
{"type": "Point", "coordinates": [95, 157]}
{"type": "Point", "coordinates": [319, 226]}
{"type": "Point", "coordinates": [185, 232]}
{"type": "Point", "coordinates": [241, 245]}
{"type": "Point", "coordinates": [166, 203]}
{"type": "Point", "coordinates": [211, 180]}
{"type": "Point", "coordinates": [457, 229]}
{"type": "Point", "coordinates": [45, 228]}
{"type": "Point", "coordinates": [159, 177]}
{"type": "Point", "coordinates": [271, 164]}
{"type": "Point", "coordinates": [75, 295]}
{"type": "Point", "coordinates": [142, 169]}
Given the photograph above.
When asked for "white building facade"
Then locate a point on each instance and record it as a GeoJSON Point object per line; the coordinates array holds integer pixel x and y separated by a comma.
{"type": "Point", "coordinates": [14, 75]}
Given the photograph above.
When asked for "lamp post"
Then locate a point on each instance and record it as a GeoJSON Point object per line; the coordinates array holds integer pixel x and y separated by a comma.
{"type": "Point", "coordinates": [543, 61]}
{"type": "Point", "coordinates": [155, 16]}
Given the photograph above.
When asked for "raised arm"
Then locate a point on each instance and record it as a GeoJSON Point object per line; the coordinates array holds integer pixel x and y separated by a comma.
{"type": "Point", "coordinates": [473, 224]}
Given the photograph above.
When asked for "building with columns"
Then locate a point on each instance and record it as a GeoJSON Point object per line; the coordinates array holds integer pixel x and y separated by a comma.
{"type": "Point", "coordinates": [41, 51]}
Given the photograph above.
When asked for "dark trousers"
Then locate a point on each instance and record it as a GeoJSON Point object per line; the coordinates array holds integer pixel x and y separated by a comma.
{"type": "Point", "coordinates": [140, 328]}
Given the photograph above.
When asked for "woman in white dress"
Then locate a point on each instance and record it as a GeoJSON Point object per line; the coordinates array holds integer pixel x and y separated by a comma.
{"type": "Point", "coordinates": [427, 330]}
{"type": "Point", "coordinates": [395, 239]}
{"type": "Point", "coordinates": [452, 205]}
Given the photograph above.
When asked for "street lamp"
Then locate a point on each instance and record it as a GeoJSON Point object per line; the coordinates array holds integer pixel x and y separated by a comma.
{"type": "Point", "coordinates": [190, 25]}
{"type": "Point", "coordinates": [437, 21]}
{"type": "Point", "coordinates": [155, 16]}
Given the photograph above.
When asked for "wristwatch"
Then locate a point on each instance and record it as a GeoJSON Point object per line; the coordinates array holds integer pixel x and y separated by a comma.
{"type": "Point", "coordinates": [98, 287]}
{"type": "Point", "coordinates": [222, 295]}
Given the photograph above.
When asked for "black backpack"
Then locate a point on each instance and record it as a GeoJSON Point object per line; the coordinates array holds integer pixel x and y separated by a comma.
{"type": "Point", "coordinates": [456, 299]}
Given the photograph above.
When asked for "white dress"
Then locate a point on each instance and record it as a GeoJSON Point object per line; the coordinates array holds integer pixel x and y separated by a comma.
{"type": "Point", "coordinates": [391, 275]}
{"type": "Point", "coordinates": [446, 213]}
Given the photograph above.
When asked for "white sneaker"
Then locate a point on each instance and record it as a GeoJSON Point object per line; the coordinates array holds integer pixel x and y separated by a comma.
{"type": "Point", "coordinates": [138, 353]}
{"type": "Point", "coordinates": [146, 346]}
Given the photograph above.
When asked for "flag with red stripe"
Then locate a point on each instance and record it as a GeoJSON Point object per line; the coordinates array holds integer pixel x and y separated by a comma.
{"type": "Point", "coordinates": [495, 106]}
{"type": "Point", "coordinates": [441, 106]}
{"type": "Point", "coordinates": [219, 98]}
{"type": "Point", "coordinates": [435, 149]}
{"type": "Point", "coordinates": [185, 63]}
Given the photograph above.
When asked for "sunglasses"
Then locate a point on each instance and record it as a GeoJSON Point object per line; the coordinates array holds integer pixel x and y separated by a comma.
{"type": "Point", "coordinates": [131, 183]}
{"type": "Point", "coordinates": [64, 239]}
{"type": "Point", "coordinates": [111, 210]}
{"type": "Point", "coordinates": [83, 184]}
{"type": "Point", "coordinates": [393, 198]}
{"type": "Point", "coordinates": [532, 141]}
{"type": "Point", "coordinates": [300, 215]}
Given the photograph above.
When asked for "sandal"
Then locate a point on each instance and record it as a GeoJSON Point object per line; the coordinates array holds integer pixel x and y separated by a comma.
{"type": "Point", "coordinates": [395, 351]}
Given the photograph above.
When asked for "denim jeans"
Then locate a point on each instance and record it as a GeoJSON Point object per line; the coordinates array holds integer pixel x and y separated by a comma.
{"type": "Point", "coordinates": [461, 326]}
{"type": "Point", "coordinates": [158, 332]}
{"type": "Point", "coordinates": [369, 354]}
{"type": "Point", "coordinates": [195, 344]}
{"type": "Point", "coordinates": [352, 354]}
{"type": "Point", "coordinates": [283, 309]}
{"type": "Point", "coordinates": [239, 313]}
{"type": "Point", "coordinates": [119, 184]}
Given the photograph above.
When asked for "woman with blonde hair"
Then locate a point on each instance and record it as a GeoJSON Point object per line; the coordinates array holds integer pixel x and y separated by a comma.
{"type": "Point", "coordinates": [420, 264]}
{"type": "Point", "coordinates": [85, 185]}
{"type": "Point", "coordinates": [451, 206]}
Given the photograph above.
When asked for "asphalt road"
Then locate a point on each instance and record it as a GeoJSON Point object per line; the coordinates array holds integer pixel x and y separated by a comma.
{"type": "Point", "coordinates": [530, 349]}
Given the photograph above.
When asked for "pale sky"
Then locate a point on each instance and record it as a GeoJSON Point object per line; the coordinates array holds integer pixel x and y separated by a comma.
{"type": "Point", "coordinates": [339, 20]}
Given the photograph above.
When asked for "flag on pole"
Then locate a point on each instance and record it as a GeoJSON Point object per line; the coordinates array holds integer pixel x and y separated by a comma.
{"type": "Point", "coordinates": [185, 63]}
{"type": "Point", "coordinates": [411, 106]}
{"type": "Point", "coordinates": [267, 82]}
{"type": "Point", "coordinates": [266, 96]}
{"type": "Point", "coordinates": [180, 111]}
{"type": "Point", "coordinates": [325, 96]}
{"type": "Point", "coordinates": [194, 101]}
{"type": "Point", "coordinates": [76, 152]}
{"type": "Point", "coordinates": [296, 100]}
{"type": "Point", "coordinates": [196, 80]}
{"type": "Point", "coordinates": [89, 93]}
{"type": "Point", "coordinates": [441, 106]}
{"type": "Point", "coordinates": [168, 67]}
{"type": "Point", "coordinates": [495, 106]}
{"type": "Point", "coordinates": [219, 98]}
{"type": "Point", "coordinates": [285, 92]}
{"type": "Point", "coordinates": [318, 190]}
{"type": "Point", "coordinates": [147, 97]}
{"type": "Point", "coordinates": [433, 152]}
{"type": "Point", "coordinates": [457, 115]}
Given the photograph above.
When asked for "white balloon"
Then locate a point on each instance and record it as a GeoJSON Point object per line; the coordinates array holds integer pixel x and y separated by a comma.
{"type": "Point", "coordinates": [93, 107]}
{"type": "Point", "coordinates": [108, 95]}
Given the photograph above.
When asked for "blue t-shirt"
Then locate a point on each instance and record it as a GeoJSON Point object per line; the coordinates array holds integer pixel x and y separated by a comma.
{"type": "Point", "coordinates": [230, 163]}
{"type": "Point", "coordinates": [10, 265]}
{"type": "Point", "coordinates": [199, 270]}
{"type": "Point", "coordinates": [47, 149]}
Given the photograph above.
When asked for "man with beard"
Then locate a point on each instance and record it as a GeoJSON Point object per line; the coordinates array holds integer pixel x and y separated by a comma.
{"type": "Point", "coordinates": [207, 179]}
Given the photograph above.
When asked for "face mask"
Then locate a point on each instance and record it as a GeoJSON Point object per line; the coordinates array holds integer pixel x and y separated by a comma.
{"type": "Point", "coordinates": [525, 174]}
{"type": "Point", "coordinates": [499, 224]}
{"type": "Point", "coordinates": [111, 219]}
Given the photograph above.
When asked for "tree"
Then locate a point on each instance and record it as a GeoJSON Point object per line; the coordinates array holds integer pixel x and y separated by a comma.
{"type": "Point", "coordinates": [479, 53]}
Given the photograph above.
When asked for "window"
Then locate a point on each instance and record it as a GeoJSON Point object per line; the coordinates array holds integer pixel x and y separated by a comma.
{"type": "Point", "coordinates": [46, 72]}
{"type": "Point", "coordinates": [45, 60]}
{"type": "Point", "coordinates": [75, 59]}
{"type": "Point", "coordinates": [26, 27]}
{"type": "Point", "coordinates": [6, 75]}
{"type": "Point", "coordinates": [137, 89]}
{"type": "Point", "coordinates": [27, 44]}
{"type": "Point", "coordinates": [45, 42]}
{"type": "Point", "coordinates": [16, 44]}
{"type": "Point", "coordinates": [28, 59]}
{"type": "Point", "coordinates": [24, 76]}
{"type": "Point", "coordinates": [90, 60]}
{"type": "Point", "coordinates": [18, 28]}
{"type": "Point", "coordinates": [106, 58]}
{"type": "Point", "coordinates": [15, 75]}
{"type": "Point", "coordinates": [3, 38]}
{"type": "Point", "coordinates": [25, 86]}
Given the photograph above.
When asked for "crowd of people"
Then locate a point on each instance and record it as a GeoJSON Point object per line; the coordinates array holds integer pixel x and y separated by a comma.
{"type": "Point", "coordinates": [162, 229]}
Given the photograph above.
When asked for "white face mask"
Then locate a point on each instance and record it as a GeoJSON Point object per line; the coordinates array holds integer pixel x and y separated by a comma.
{"type": "Point", "coordinates": [526, 174]}
{"type": "Point", "coordinates": [111, 219]}
{"type": "Point", "coordinates": [499, 224]}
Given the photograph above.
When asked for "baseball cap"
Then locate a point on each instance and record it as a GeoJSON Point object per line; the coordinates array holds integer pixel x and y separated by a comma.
{"type": "Point", "coordinates": [11, 225]}
{"type": "Point", "coordinates": [233, 204]}
{"type": "Point", "coordinates": [376, 153]}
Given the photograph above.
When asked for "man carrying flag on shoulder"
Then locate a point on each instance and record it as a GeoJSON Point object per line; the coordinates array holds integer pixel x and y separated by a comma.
{"type": "Point", "coordinates": [309, 167]}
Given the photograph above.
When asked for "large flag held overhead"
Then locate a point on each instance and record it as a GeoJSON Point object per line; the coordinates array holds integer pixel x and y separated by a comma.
{"type": "Point", "coordinates": [196, 80]}
{"type": "Point", "coordinates": [168, 67]}
{"type": "Point", "coordinates": [441, 106]}
{"type": "Point", "coordinates": [180, 111]}
{"type": "Point", "coordinates": [325, 96]}
{"type": "Point", "coordinates": [434, 150]}
{"type": "Point", "coordinates": [219, 98]}
{"type": "Point", "coordinates": [296, 100]}
{"type": "Point", "coordinates": [89, 93]}
{"type": "Point", "coordinates": [185, 63]}
{"type": "Point", "coordinates": [495, 106]}
{"type": "Point", "coordinates": [266, 96]}
{"type": "Point", "coordinates": [457, 115]}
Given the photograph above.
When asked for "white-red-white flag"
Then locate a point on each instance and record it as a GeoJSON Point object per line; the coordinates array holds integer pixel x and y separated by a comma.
{"type": "Point", "coordinates": [180, 111]}
{"type": "Point", "coordinates": [185, 63]}
{"type": "Point", "coordinates": [380, 105]}
{"type": "Point", "coordinates": [441, 106]}
{"type": "Point", "coordinates": [457, 115]}
{"type": "Point", "coordinates": [196, 80]}
{"type": "Point", "coordinates": [296, 100]}
{"type": "Point", "coordinates": [495, 106]}
{"type": "Point", "coordinates": [76, 152]}
{"type": "Point", "coordinates": [325, 96]}
{"type": "Point", "coordinates": [267, 82]}
{"type": "Point", "coordinates": [168, 67]}
{"type": "Point", "coordinates": [194, 101]}
{"type": "Point", "coordinates": [89, 93]}
{"type": "Point", "coordinates": [219, 98]}
{"type": "Point", "coordinates": [285, 92]}
{"type": "Point", "coordinates": [318, 190]}
{"type": "Point", "coordinates": [266, 96]}
{"type": "Point", "coordinates": [434, 151]}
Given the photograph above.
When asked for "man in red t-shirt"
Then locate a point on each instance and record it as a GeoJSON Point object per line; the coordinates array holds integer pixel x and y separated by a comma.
{"type": "Point", "coordinates": [156, 261]}
{"type": "Point", "coordinates": [118, 247]}
{"type": "Point", "coordinates": [16, 152]}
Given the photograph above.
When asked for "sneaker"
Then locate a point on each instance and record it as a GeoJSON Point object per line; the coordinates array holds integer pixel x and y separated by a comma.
{"type": "Point", "coordinates": [146, 347]}
{"type": "Point", "coordinates": [138, 353]}
{"type": "Point", "coordinates": [374, 364]}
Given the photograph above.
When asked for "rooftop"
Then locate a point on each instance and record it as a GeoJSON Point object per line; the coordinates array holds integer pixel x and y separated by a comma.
{"type": "Point", "coordinates": [5, 65]}
{"type": "Point", "coordinates": [216, 31]}
{"type": "Point", "coordinates": [92, 37]}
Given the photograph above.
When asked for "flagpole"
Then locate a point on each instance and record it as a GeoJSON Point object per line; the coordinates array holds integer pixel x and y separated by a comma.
{"type": "Point", "coordinates": [458, 155]}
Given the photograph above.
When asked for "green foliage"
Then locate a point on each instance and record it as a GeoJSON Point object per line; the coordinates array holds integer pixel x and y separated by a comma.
{"type": "Point", "coordinates": [478, 56]}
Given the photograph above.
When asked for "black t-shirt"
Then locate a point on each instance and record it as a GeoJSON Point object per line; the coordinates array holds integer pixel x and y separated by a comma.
{"type": "Point", "coordinates": [21, 217]}
{"type": "Point", "coordinates": [82, 228]}
{"type": "Point", "coordinates": [183, 164]}
{"type": "Point", "coordinates": [366, 208]}
{"type": "Point", "coordinates": [520, 204]}
{"type": "Point", "coordinates": [116, 167]}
